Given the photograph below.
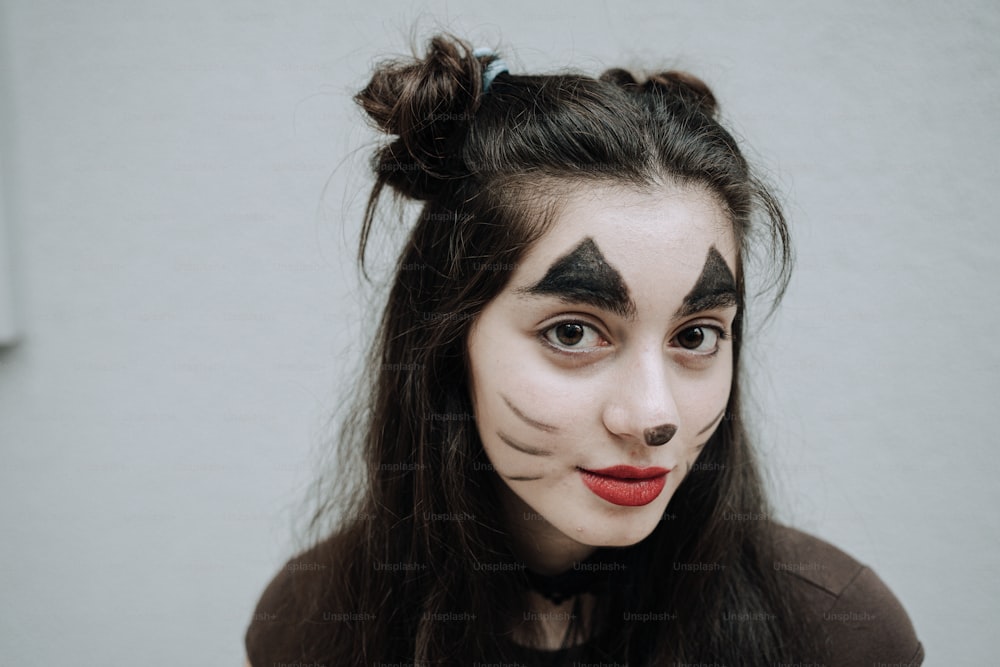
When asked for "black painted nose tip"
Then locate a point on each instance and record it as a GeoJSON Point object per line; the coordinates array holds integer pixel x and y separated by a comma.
{"type": "Point", "coordinates": [659, 435]}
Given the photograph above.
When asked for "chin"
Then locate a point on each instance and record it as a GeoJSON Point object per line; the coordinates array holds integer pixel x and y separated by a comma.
{"type": "Point", "coordinates": [616, 532]}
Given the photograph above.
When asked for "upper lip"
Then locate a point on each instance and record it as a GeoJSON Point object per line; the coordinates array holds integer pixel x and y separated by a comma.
{"type": "Point", "coordinates": [630, 472]}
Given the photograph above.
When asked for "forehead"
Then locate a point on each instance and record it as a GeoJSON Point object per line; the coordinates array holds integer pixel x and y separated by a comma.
{"type": "Point", "coordinates": [656, 240]}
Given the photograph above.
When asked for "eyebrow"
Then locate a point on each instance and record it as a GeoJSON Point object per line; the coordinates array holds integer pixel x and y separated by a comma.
{"type": "Point", "coordinates": [715, 288]}
{"type": "Point", "coordinates": [585, 276]}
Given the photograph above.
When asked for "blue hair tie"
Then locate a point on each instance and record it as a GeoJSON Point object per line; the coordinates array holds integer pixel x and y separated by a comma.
{"type": "Point", "coordinates": [496, 66]}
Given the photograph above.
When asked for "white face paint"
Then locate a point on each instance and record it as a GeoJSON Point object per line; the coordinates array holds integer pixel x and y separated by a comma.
{"type": "Point", "coordinates": [592, 356]}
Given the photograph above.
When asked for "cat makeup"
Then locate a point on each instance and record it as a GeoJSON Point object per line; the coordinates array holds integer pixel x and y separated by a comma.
{"type": "Point", "coordinates": [604, 366]}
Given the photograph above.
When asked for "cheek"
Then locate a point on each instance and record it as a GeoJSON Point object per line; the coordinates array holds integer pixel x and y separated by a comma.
{"type": "Point", "coordinates": [517, 369]}
{"type": "Point", "coordinates": [558, 399]}
{"type": "Point", "coordinates": [702, 399]}
{"type": "Point", "coordinates": [705, 416]}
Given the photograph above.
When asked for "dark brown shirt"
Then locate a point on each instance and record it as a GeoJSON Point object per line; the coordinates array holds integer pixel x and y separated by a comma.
{"type": "Point", "coordinates": [861, 621]}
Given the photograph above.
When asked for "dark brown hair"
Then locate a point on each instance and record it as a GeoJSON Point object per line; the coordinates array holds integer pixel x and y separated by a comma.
{"type": "Point", "coordinates": [491, 170]}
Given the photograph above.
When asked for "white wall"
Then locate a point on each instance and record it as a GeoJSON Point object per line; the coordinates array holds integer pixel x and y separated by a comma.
{"type": "Point", "coordinates": [188, 306]}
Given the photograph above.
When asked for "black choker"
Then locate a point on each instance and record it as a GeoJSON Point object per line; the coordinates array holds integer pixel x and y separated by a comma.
{"type": "Point", "coordinates": [588, 576]}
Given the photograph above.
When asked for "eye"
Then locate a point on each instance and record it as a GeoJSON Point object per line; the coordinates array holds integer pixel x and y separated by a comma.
{"type": "Point", "coordinates": [573, 336]}
{"type": "Point", "coordinates": [702, 339]}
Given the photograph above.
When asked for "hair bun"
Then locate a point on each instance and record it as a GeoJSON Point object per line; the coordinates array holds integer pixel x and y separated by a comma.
{"type": "Point", "coordinates": [619, 77]}
{"type": "Point", "coordinates": [686, 86]}
{"type": "Point", "coordinates": [428, 104]}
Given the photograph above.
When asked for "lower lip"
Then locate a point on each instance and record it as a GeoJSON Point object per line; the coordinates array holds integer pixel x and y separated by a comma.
{"type": "Point", "coordinates": [624, 492]}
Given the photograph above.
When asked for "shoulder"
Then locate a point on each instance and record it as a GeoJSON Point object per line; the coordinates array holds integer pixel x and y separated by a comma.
{"type": "Point", "coordinates": [294, 609]}
{"type": "Point", "coordinates": [861, 619]}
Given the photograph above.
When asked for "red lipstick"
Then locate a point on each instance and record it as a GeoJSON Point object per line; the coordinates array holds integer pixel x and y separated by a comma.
{"type": "Point", "coordinates": [626, 485]}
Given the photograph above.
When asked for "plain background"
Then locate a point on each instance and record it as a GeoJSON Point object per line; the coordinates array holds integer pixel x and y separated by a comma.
{"type": "Point", "coordinates": [182, 190]}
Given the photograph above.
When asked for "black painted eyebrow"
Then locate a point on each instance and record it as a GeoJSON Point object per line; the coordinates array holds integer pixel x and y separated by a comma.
{"type": "Point", "coordinates": [585, 276]}
{"type": "Point", "coordinates": [715, 288]}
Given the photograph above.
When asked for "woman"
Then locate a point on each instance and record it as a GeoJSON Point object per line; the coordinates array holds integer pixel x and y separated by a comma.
{"type": "Point", "coordinates": [555, 466]}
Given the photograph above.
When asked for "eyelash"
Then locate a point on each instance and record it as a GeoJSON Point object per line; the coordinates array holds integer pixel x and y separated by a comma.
{"type": "Point", "coordinates": [721, 332]}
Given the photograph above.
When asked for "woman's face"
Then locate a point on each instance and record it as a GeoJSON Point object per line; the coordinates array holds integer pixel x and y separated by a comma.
{"type": "Point", "coordinates": [606, 361]}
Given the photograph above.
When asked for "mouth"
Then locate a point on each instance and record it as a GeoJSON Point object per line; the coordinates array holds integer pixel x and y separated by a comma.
{"type": "Point", "coordinates": [626, 486]}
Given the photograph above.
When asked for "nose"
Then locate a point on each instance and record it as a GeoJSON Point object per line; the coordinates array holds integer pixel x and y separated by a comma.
{"type": "Point", "coordinates": [641, 406]}
{"type": "Point", "coordinates": [659, 435]}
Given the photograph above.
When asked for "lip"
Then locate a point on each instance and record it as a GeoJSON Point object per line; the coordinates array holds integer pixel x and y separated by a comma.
{"type": "Point", "coordinates": [626, 486]}
{"type": "Point", "coordinates": [629, 472]}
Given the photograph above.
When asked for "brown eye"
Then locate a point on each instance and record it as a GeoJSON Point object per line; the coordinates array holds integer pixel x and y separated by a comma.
{"type": "Point", "coordinates": [691, 338]}
{"type": "Point", "coordinates": [569, 333]}
{"type": "Point", "coordinates": [701, 339]}
{"type": "Point", "coordinates": [573, 336]}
